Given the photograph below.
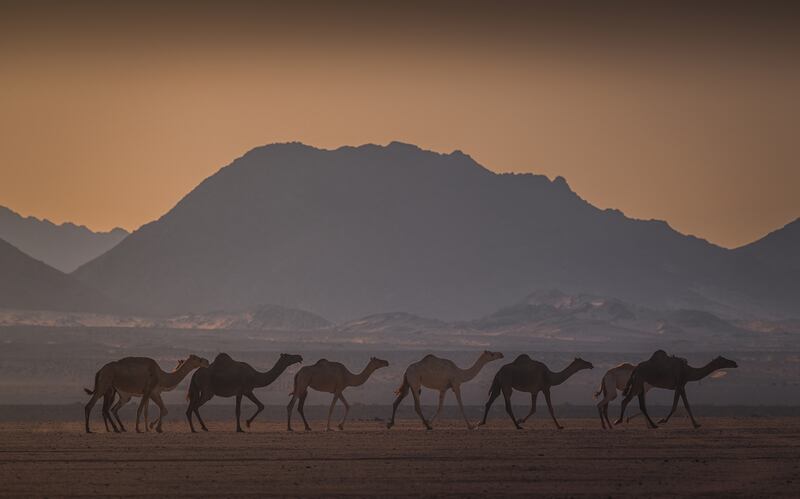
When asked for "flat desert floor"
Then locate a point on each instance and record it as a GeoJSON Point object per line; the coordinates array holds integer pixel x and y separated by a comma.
{"type": "Point", "coordinates": [726, 457]}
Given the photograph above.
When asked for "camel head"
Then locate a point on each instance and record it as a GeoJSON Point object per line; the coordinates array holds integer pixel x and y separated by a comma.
{"type": "Point", "coordinates": [287, 359]}
{"type": "Point", "coordinates": [376, 363]}
{"type": "Point", "coordinates": [194, 362]}
{"type": "Point", "coordinates": [488, 356]}
{"type": "Point", "coordinates": [579, 364]}
{"type": "Point", "coordinates": [723, 363]}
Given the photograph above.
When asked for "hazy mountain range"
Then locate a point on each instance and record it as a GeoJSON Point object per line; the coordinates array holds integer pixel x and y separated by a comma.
{"type": "Point", "coordinates": [780, 248]}
{"type": "Point", "coordinates": [362, 230]}
{"type": "Point", "coordinates": [26, 283]}
{"type": "Point", "coordinates": [64, 247]}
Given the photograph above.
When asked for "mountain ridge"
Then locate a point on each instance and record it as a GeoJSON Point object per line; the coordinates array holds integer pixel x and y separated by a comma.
{"type": "Point", "coordinates": [63, 246]}
{"type": "Point", "coordinates": [359, 230]}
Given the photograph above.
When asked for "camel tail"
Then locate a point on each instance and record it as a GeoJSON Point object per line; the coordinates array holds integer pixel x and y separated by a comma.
{"type": "Point", "coordinates": [601, 390]}
{"type": "Point", "coordinates": [629, 384]}
{"type": "Point", "coordinates": [96, 379]}
{"type": "Point", "coordinates": [403, 386]}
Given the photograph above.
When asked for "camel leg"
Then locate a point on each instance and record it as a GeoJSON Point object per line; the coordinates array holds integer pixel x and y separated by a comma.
{"type": "Point", "coordinates": [400, 396]}
{"type": "Point", "coordinates": [259, 407]}
{"type": "Point", "coordinates": [107, 399]}
{"type": "Point", "coordinates": [643, 407]}
{"type": "Point", "coordinates": [189, 411]}
{"type": "Point", "coordinates": [88, 408]}
{"type": "Point", "coordinates": [142, 406]}
{"type": "Point", "coordinates": [239, 413]}
{"type": "Point", "coordinates": [625, 402]}
{"type": "Point", "coordinates": [300, 407]}
{"type": "Point", "coordinates": [688, 409]}
{"type": "Point", "coordinates": [162, 410]}
{"type": "Point", "coordinates": [457, 391]}
{"type": "Point", "coordinates": [346, 410]}
{"type": "Point", "coordinates": [202, 423]}
{"type": "Point", "coordinates": [115, 410]}
{"type": "Point", "coordinates": [533, 408]}
{"type": "Point", "coordinates": [509, 410]}
{"type": "Point", "coordinates": [550, 408]}
{"type": "Point", "coordinates": [330, 411]}
{"type": "Point", "coordinates": [675, 398]}
{"type": "Point", "coordinates": [289, 413]}
{"type": "Point", "coordinates": [493, 394]}
{"type": "Point", "coordinates": [418, 408]}
{"type": "Point", "coordinates": [442, 394]}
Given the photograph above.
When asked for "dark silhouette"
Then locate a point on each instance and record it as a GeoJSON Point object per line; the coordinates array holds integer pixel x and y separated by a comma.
{"type": "Point", "coordinates": [140, 376]}
{"type": "Point", "coordinates": [671, 373]}
{"type": "Point", "coordinates": [64, 247]}
{"type": "Point", "coordinates": [331, 377]}
{"type": "Point", "coordinates": [455, 241]}
{"type": "Point", "coordinates": [29, 284]}
{"type": "Point", "coordinates": [528, 375]}
{"type": "Point", "coordinates": [438, 374]}
{"type": "Point", "coordinates": [226, 377]}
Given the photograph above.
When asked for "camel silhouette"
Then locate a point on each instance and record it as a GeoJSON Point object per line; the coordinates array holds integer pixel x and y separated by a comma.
{"type": "Point", "coordinates": [671, 373]}
{"type": "Point", "coordinates": [438, 374]}
{"type": "Point", "coordinates": [528, 375]}
{"type": "Point", "coordinates": [614, 379]}
{"type": "Point", "coordinates": [226, 377]}
{"type": "Point", "coordinates": [331, 377]}
{"type": "Point", "coordinates": [138, 376]}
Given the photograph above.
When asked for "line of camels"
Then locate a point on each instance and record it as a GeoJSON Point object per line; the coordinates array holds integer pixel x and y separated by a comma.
{"type": "Point", "coordinates": [119, 381]}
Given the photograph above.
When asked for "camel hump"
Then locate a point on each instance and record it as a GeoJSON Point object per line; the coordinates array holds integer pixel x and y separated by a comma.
{"type": "Point", "coordinates": [223, 357]}
{"type": "Point", "coordinates": [523, 358]}
{"type": "Point", "coordinates": [322, 361]}
{"type": "Point", "coordinates": [430, 356]}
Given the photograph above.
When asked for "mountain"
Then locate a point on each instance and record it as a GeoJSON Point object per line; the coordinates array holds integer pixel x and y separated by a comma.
{"type": "Point", "coordinates": [263, 318]}
{"type": "Point", "coordinates": [29, 284]}
{"type": "Point", "coordinates": [65, 246]}
{"type": "Point", "coordinates": [360, 230]}
{"type": "Point", "coordinates": [780, 248]}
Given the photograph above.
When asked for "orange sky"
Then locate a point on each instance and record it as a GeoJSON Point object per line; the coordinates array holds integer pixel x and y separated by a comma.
{"type": "Point", "coordinates": [109, 114]}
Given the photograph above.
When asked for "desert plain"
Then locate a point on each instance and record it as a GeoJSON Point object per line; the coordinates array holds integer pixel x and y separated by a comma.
{"type": "Point", "coordinates": [726, 457]}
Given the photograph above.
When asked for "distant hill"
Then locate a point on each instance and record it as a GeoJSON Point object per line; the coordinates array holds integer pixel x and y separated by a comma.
{"type": "Point", "coordinates": [780, 248]}
{"type": "Point", "coordinates": [360, 230]}
{"type": "Point", "coordinates": [28, 284]}
{"type": "Point", "coordinates": [64, 247]}
{"type": "Point", "coordinates": [263, 318]}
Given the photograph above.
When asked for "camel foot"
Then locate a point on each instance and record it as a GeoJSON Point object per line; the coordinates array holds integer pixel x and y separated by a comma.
{"type": "Point", "coordinates": [239, 430]}
{"type": "Point", "coordinates": [194, 431]}
{"type": "Point", "coordinates": [308, 428]}
{"type": "Point", "coordinates": [341, 427]}
{"type": "Point", "coordinates": [138, 430]}
{"type": "Point", "coordinates": [696, 425]}
{"type": "Point", "coordinates": [480, 424]}
{"type": "Point", "coordinates": [159, 430]}
{"type": "Point", "coordinates": [560, 427]}
{"type": "Point", "coordinates": [389, 425]}
{"type": "Point", "coordinates": [470, 427]}
{"type": "Point", "coordinates": [662, 421]}
{"type": "Point", "coordinates": [89, 432]}
{"type": "Point", "coordinates": [328, 429]}
{"type": "Point", "coordinates": [205, 429]}
{"type": "Point", "coordinates": [247, 423]}
{"type": "Point", "coordinates": [617, 421]}
{"type": "Point", "coordinates": [290, 429]}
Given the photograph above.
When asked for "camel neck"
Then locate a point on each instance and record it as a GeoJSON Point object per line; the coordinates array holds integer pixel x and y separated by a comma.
{"type": "Point", "coordinates": [698, 373]}
{"type": "Point", "coordinates": [360, 378]}
{"type": "Point", "coordinates": [471, 372]}
{"type": "Point", "coordinates": [562, 376]}
{"type": "Point", "coordinates": [265, 378]}
{"type": "Point", "coordinates": [171, 379]}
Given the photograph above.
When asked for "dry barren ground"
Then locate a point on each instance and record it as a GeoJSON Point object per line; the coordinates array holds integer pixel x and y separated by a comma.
{"type": "Point", "coordinates": [726, 457]}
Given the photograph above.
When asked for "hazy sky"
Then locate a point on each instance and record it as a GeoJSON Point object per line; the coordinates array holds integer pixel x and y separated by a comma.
{"type": "Point", "coordinates": [109, 114]}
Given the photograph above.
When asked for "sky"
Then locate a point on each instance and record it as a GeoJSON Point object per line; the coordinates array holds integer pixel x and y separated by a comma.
{"type": "Point", "coordinates": [110, 112]}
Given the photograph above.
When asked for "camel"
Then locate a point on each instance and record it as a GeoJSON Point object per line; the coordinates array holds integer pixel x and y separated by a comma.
{"type": "Point", "coordinates": [671, 373]}
{"type": "Point", "coordinates": [528, 375]}
{"type": "Point", "coordinates": [331, 377]}
{"type": "Point", "coordinates": [226, 377]}
{"type": "Point", "coordinates": [615, 379]}
{"type": "Point", "coordinates": [438, 374]}
{"type": "Point", "coordinates": [140, 376]}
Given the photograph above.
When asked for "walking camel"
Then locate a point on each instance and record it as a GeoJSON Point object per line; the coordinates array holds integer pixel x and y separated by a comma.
{"type": "Point", "coordinates": [137, 376]}
{"type": "Point", "coordinates": [331, 377]}
{"type": "Point", "coordinates": [438, 374]}
{"type": "Point", "coordinates": [528, 375]}
{"type": "Point", "coordinates": [615, 379]}
{"type": "Point", "coordinates": [226, 377]}
{"type": "Point", "coordinates": [671, 373]}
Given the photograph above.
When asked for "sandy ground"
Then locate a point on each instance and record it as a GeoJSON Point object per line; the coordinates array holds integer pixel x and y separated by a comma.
{"type": "Point", "coordinates": [726, 457]}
